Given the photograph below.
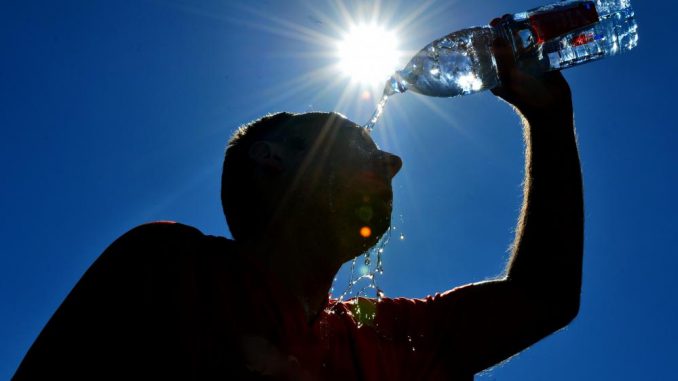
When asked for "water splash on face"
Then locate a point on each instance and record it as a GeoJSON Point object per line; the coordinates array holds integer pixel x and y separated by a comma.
{"type": "Point", "coordinates": [366, 269]}
{"type": "Point", "coordinates": [367, 272]}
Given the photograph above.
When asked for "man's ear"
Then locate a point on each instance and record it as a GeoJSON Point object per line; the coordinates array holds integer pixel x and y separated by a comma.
{"type": "Point", "coordinates": [266, 155]}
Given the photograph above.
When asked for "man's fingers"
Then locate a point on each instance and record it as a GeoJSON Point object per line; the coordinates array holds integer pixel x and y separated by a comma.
{"type": "Point", "coordinates": [498, 20]}
{"type": "Point", "coordinates": [501, 48]}
{"type": "Point", "coordinates": [504, 56]}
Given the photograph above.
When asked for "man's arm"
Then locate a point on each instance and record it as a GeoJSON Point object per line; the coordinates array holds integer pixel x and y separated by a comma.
{"type": "Point", "coordinates": [491, 321]}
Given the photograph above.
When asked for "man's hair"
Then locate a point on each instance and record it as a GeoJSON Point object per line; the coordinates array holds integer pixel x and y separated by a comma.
{"type": "Point", "coordinates": [238, 196]}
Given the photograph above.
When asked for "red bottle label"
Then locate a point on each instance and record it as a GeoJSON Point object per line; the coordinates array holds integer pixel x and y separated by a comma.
{"type": "Point", "coordinates": [551, 24]}
{"type": "Point", "coordinates": [583, 39]}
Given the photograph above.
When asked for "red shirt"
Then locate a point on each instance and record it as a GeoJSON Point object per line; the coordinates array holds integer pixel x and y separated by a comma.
{"type": "Point", "coordinates": [167, 302]}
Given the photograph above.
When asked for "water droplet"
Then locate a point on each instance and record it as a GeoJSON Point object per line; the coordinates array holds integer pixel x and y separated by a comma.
{"type": "Point", "coordinates": [409, 339]}
{"type": "Point", "coordinates": [402, 236]}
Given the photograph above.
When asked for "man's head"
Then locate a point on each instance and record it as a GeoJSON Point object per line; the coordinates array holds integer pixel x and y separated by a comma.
{"type": "Point", "coordinates": [312, 176]}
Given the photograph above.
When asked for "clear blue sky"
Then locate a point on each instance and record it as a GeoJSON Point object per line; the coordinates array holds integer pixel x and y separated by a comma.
{"type": "Point", "coordinates": [115, 113]}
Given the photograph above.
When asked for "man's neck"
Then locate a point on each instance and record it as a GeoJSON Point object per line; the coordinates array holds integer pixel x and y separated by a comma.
{"type": "Point", "coordinates": [305, 270]}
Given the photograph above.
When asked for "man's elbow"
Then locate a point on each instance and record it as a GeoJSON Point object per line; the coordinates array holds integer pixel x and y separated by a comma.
{"type": "Point", "coordinates": [563, 312]}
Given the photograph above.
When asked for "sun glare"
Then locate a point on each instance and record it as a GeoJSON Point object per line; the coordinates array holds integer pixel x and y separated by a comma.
{"type": "Point", "coordinates": [368, 53]}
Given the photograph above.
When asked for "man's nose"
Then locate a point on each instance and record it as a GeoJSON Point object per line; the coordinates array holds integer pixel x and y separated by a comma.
{"type": "Point", "coordinates": [390, 163]}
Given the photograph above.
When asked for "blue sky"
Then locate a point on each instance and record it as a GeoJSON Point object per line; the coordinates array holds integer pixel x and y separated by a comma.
{"type": "Point", "coordinates": [116, 113]}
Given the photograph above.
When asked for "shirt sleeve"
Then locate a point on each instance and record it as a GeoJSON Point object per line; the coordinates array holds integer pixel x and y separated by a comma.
{"type": "Point", "coordinates": [415, 338]}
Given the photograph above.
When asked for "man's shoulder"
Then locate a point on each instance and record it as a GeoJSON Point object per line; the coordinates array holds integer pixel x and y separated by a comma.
{"type": "Point", "coordinates": [163, 230]}
{"type": "Point", "coordinates": [138, 291]}
{"type": "Point", "coordinates": [170, 231]}
{"type": "Point", "coordinates": [164, 240]}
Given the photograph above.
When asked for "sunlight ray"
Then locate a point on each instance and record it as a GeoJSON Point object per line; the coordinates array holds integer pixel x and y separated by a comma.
{"type": "Point", "coordinates": [420, 16]}
{"type": "Point", "coordinates": [376, 12]}
{"type": "Point", "coordinates": [407, 130]}
{"type": "Point", "coordinates": [443, 114]}
{"type": "Point", "coordinates": [452, 122]}
{"type": "Point", "coordinates": [196, 11]}
{"type": "Point", "coordinates": [338, 25]}
{"type": "Point", "coordinates": [285, 28]}
{"type": "Point", "coordinates": [344, 13]}
{"type": "Point", "coordinates": [346, 96]}
{"type": "Point", "coordinates": [298, 83]}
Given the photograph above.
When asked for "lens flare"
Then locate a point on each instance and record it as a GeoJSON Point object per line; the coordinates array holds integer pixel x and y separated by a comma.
{"type": "Point", "coordinates": [365, 231]}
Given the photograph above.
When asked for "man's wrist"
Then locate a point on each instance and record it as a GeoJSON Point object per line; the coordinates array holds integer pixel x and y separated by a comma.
{"type": "Point", "coordinates": [560, 116]}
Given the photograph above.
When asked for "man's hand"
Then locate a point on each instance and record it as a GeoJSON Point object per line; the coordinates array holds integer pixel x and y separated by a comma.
{"type": "Point", "coordinates": [533, 96]}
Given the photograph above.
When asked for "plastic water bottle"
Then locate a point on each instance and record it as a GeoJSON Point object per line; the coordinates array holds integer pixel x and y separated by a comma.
{"type": "Point", "coordinates": [551, 37]}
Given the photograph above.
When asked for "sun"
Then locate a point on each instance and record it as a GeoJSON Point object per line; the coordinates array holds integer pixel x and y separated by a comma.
{"type": "Point", "coordinates": [368, 53]}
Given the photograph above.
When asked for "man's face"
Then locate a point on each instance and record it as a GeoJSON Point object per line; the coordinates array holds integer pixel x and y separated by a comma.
{"type": "Point", "coordinates": [338, 181]}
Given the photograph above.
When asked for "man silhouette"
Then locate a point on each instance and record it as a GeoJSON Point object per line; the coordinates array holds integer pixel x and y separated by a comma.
{"type": "Point", "coordinates": [303, 194]}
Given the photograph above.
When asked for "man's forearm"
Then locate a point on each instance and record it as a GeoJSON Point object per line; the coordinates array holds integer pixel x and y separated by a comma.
{"type": "Point", "coordinates": [547, 252]}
